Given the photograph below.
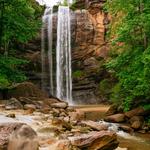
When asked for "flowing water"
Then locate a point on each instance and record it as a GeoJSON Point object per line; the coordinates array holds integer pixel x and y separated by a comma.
{"type": "Point", "coordinates": [135, 141]}
{"type": "Point", "coordinates": [63, 52]}
{"type": "Point", "coordinates": [47, 42]}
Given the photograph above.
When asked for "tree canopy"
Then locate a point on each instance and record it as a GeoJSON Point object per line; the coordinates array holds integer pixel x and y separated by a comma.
{"type": "Point", "coordinates": [19, 23]}
{"type": "Point", "coordinates": [130, 54]}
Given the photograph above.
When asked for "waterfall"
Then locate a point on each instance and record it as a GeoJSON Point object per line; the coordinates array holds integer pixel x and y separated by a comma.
{"type": "Point", "coordinates": [63, 51]}
{"type": "Point", "coordinates": [63, 55]}
{"type": "Point", "coordinates": [47, 42]}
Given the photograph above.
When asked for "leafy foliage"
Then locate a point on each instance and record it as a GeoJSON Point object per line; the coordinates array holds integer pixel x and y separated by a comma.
{"type": "Point", "coordinates": [19, 23]}
{"type": "Point", "coordinates": [130, 37]}
{"type": "Point", "coordinates": [9, 72]}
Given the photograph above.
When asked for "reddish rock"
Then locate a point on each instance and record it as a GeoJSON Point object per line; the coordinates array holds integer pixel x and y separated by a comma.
{"type": "Point", "coordinates": [126, 128]}
{"type": "Point", "coordinates": [64, 145]}
{"type": "Point", "coordinates": [30, 106]}
{"type": "Point", "coordinates": [5, 131]}
{"type": "Point", "coordinates": [95, 125]}
{"type": "Point", "coordinates": [18, 136]}
{"type": "Point", "coordinates": [136, 122]}
{"type": "Point", "coordinates": [135, 112]}
{"type": "Point", "coordinates": [49, 101]}
{"type": "Point", "coordinates": [103, 140]}
{"type": "Point", "coordinates": [77, 116]}
{"type": "Point", "coordinates": [23, 138]}
{"type": "Point", "coordinates": [59, 105]}
{"type": "Point", "coordinates": [112, 110]}
{"type": "Point", "coordinates": [115, 118]}
{"type": "Point", "coordinates": [26, 89]}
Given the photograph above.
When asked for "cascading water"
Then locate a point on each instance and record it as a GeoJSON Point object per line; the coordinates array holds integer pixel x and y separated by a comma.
{"type": "Point", "coordinates": [63, 52]}
{"type": "Point", "coordinates": [47, 48]}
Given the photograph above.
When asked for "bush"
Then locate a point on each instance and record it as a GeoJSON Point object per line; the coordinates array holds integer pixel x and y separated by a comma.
{"type": "Point", "coordinates": [10, 72]}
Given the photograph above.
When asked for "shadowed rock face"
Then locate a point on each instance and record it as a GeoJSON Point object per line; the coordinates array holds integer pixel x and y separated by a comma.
{"type": "Point", "coordinates": [89, 49]}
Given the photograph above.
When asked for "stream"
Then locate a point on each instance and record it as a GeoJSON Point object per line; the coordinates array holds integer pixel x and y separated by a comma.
{"type": "Point", "coordinates": [136, 141]}
{"type": "Point", "coordinates": [36, 120]}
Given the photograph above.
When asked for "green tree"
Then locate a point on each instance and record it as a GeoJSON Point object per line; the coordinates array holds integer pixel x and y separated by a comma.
{"type": "Point", "coordinates": [19, 23]}
{"type": "Point", "coordinates": [130, 59]}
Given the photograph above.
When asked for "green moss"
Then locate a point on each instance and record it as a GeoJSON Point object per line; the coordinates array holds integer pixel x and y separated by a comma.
{"type": "Point", "coordinates": [105, 88]}
{"type": "Point", "coordinates": [146, 107]}
{"type": "Point", "coordinates": [78, 74]}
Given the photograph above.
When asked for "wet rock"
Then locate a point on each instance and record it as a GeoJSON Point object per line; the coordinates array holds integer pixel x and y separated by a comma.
{"type": "Point", "coordinates": [112, 110]}
{"type": "Point", "coordinates": [70, 109]}
{"type": "Point", "coordinates": [63, 114]}
{"type": "Point", "coordinates": [79, 129]}
{"type": "Point", "coordinates": [45, 109]}
{"type": "Point", "coordinates": [64, 145]}
{"type": "Point", "coordinates": [67, 119]}
{"type": "Point", "coordinates": [2, 106]}
{"type": "Point", "coordinates": [77, 116]}
{"type": "Point", "coordinates": [115, 118]}
{"type": "Point", "coordinates": [119, 148]}
{"type": "Point", "coordinates": [45, 142]}
{"type": "Point", "coordinates": [135, 112]}
{"type": "Point", "coordinates": [95, 125]}
{"type": "Point", "coordinates": [6, 130]}
{"type": "Point", "coordinates": [103, 140]}
{"type": "Point", "coordinates": [11, 115]}
{"type": "Point", "coordinates": [55, 112]}
{"type": "Point", "coordinates": [136, 122]}
{"type": "Point", "coordinates": [13, 103]}
{"type": "Point", "coordinates": [50, 101]}
{"type": "Point", "coordinates": [23, 138]}
{"type": "Point", "coordinates": [59, 105]}
{"type": "Point", "coordinates": [126, 128]}
{"type": "Point", "coordinates": [30, 106]}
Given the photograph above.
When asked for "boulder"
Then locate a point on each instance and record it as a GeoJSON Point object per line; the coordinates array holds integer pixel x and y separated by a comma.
{"type": "Point", "coordinates": [77, 115]}
{"type": "Point", "coordinates": [64, 145]}
{"type": "Point", "coordinates": [119, 148]}
{"type": "Point", "coordinates": [49, 101]}
{"type": "Point", "coordinates": [59, 105]}
{"type": "Point", "coordinates": [95, 125]}
{"type": "Point", "coordinates": [103, 140]}
{"type": "Point", "coordinates": [26, 89]}
{"type": "Point", "coordinates": [112, 110]}
{"type": "Point", "coordinates": [13, 103]}
{"type": "Point", "coordinates": [23, 138]}
{"type": "Point", "coordinates": [136, 122]}
{"type": "Point", "coordinates": [30, 106]}
{"type": "Point", "coordinates": [126, 128]}
{"type": "Point", "coordinates": [115, 118]}
{"type": "Point", "coordinates": [135, 112]}
{"type": "Point", "coordinates": [11, 115]}
{"type": "Point", "coordinates": [17, 135]}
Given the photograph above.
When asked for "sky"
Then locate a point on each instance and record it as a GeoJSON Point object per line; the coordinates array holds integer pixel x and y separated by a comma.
{"type": "Point", "coordinates": [50, 2]}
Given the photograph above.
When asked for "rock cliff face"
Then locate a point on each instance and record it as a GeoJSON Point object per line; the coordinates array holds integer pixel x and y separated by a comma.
{"type": "Point", "coordinates": [89, 49]}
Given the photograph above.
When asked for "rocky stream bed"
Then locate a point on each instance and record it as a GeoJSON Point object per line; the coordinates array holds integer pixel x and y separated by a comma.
{"type": "Point", "coordinates": [56, 126]}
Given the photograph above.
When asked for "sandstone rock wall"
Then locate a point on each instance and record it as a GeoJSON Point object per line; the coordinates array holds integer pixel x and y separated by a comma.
{"type": "Point", "coordinates": [89, 49]}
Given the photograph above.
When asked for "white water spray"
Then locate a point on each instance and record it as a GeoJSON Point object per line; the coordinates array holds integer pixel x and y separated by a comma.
{"type": "Point", "coordinates": [47, 48]}
{"type": "Point", "coordinates": [63, 52]}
